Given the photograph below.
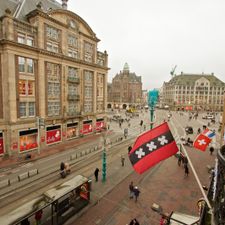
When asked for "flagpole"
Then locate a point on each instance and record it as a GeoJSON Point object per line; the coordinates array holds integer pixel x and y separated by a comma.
{"type": "Point", "coordinates": [196, 177]}
{"type": "Point", "coordinates": [193, 170]}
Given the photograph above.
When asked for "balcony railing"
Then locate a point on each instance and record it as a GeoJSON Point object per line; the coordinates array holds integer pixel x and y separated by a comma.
{"type": "Point", "coordinates": [73, 80]}
{"type": "Point", "coordinates": [216, 193]}
{"type": "Point", "coordinates": [73, 97]}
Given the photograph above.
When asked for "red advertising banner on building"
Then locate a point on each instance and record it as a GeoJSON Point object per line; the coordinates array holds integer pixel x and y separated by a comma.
{"type": "Point", "coordinates": [99, 125]}
{"type": "Point", "coordinates": [188, 108]}
{"type": "Point", "coordinates": [87, 128]}
{"type": "Point", "coordinates": [53, 136]}
{"type": "Point", "coordinates": [28, 140]}
{"type": "Point", "coordinates": [1, 146]}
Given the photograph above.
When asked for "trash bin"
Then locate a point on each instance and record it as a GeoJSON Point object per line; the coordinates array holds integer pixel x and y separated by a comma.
{"type": "Point", "coordinates": [89, 184]}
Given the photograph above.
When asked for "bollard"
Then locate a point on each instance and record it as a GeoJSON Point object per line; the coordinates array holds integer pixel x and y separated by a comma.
{"type": "Point", "coordinates": [4, 183]}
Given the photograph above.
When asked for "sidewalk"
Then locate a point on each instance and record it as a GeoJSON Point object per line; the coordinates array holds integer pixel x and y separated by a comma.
{"type": "Point", "coordinates": [164, 184]}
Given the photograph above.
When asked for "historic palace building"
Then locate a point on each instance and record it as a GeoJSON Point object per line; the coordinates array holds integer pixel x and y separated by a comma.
{"type": "Point", "coordinates": [53, 78]}
{"type": "Point", "coordinates": [193, 92]}
{"type": "Point", "coordinates": [125, 90]}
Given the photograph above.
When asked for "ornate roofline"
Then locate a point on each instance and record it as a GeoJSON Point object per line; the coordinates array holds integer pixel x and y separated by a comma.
{"type": "Point", "coordinates": [39, 12]}
{"type": "Point", "coordinates": [74, 15]}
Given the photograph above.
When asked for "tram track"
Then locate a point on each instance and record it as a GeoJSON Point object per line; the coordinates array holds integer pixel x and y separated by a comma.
{"type": "Point", "coordinates": [41, 184]}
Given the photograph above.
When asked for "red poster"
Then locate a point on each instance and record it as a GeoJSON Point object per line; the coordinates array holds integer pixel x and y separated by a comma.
{"type": "Point", "coordinates": [87, 128]}
{"type": "Point", "coordinates": [1, 146]}
{"type": "Point", "coordinates": [28, 146]}
{"type": "Point", "coordinates": [53, 136]}
{"type": "Point", "coordinates": [99, 125]}
{"type": "Point", "coordinates": [84, 191]}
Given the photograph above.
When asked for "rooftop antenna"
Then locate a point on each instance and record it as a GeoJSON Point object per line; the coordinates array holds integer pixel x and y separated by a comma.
{"type": "Point", "coordinates": [172, 71]}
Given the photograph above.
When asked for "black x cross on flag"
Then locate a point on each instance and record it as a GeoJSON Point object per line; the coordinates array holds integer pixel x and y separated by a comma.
{"type": "Point", "coordinates": [152, 147]}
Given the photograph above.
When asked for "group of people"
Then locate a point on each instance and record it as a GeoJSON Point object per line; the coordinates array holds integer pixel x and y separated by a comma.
{"type": "Point", "coordinates": [133, 191]}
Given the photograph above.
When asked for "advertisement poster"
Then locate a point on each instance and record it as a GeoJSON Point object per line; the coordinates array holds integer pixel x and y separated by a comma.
{"type": "Point", "coordinates": [84, 191]}
{"type": "Point", "coordinates": [99, 125]}
{"type": "Point", "coordinates": [1, 146]}
{"type": "Point", "coordinates": [87, 128]}
{"type": "Point", "coordinates": [28, 142]}
{"type": "Point", "coordinates": [53, 136]}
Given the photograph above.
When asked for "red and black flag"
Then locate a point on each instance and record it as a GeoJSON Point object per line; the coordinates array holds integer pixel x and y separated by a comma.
{"type": "Point", "coordinates": [152, 147]}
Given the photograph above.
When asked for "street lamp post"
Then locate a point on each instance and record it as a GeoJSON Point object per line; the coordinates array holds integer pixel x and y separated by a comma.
{"type": "Point", "coordinates": [104, 159]}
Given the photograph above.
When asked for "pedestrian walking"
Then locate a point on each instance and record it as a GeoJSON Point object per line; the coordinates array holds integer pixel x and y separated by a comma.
{"type": "Point", "coordinates": [136, 193]}
{"type": "Point", "coordinates": [134, 222]}
{"type": "Point", "coordinates": [144, 127]}
{"type": "Point", "coordinates": [186, 170]}
{"type": "Point", "coordinates": [131, 189]}
{"type": "Point", "coordinates": [185, 161]}
{"type": "Point", "coordinates": [163, 220]}
{"type": "Point", "coordinates": [211, 149]}
{"type": "Point", "coordinates": [129, 149]}
{"type": "Point", "coordinates": [179, 159]}
{"type": "Point", "coordinates": [122, 160]}
{"type": "Point", "coordinates": [96, 174]}
{"type": "Point", "coordinates": [38, 216]}
{"type": "Point", "coordinates": [25, 222]}
{"type": "Point", "coordinates": [62, 170]}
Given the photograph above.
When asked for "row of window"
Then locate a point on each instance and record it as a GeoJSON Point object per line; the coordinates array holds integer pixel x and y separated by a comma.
{"type": "Point", "coordinates": [53, 43]}
{"type": "Point", "coordinates": [197, 88]}
{"type": "Point", "coordinates": [27, 88]}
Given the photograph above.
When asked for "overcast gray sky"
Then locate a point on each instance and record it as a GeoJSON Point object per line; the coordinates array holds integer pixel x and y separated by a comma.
{"type": "Point", "coordinates": [153, 36]}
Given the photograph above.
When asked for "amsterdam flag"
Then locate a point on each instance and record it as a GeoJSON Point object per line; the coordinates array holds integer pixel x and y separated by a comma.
{"type": "Point", "coordinates": [152, 147]}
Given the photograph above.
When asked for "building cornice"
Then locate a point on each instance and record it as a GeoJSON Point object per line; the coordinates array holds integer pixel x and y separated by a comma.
{"type": "Point", "coordinates": [52, 54]}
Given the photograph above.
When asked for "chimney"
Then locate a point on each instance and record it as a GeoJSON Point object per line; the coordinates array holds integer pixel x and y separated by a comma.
{"type": "Point", "coordinates": [64, 4]}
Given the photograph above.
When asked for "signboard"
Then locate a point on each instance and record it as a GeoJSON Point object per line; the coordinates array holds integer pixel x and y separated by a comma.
{"type": "Point", "coordinates": [53, 136]}
{"type": "Point", "coordinates": [87, 128]}
{"type": "Point", "coordinates": [1, 146]}
{"type": "Point", "coordinates": [99, 125]}
{"type": "Point", "coordinates": [28, 139]}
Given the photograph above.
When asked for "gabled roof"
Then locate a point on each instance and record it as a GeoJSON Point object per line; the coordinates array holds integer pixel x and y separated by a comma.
{"type": "Point", "coordinates": [190, 79]}
{"type": "Point", "coordinates": [20, 8]}
{"type": "Point", "coordinates": [12, 5]}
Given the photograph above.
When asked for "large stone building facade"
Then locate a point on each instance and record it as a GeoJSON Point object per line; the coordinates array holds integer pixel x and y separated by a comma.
{"type": "Point", "coordinates": [193, 92]}
{"type": "Point", "coordinates": [53, 78]}
{"type": "Point", "coordinates": [125, 90]}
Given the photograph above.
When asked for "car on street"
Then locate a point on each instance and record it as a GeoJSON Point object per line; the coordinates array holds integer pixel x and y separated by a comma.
{"type": "Point", "coordinates": [208, 117]}
{"type": "Point", "coordinates": [189, 130]}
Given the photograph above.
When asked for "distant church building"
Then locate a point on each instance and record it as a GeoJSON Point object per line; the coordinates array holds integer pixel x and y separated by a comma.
{"type": "Point", "coordinates": [125, 90]}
